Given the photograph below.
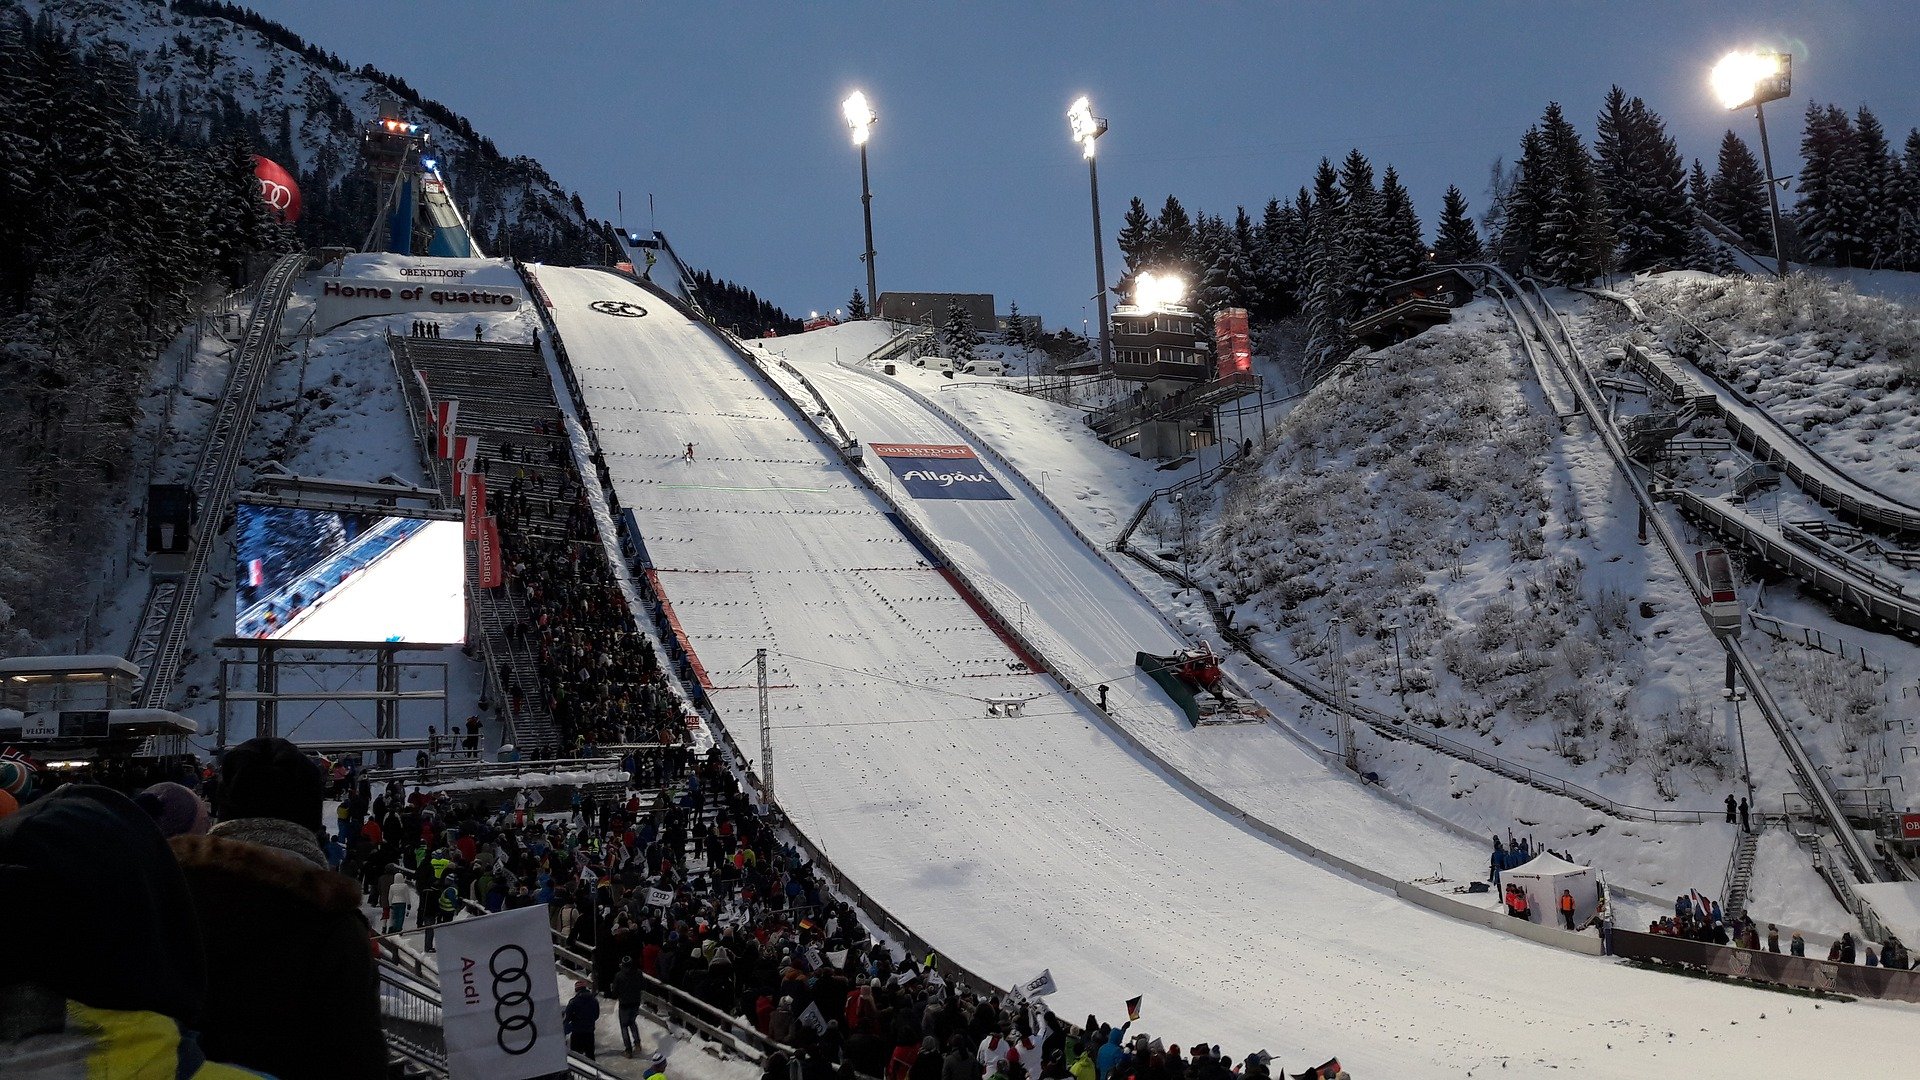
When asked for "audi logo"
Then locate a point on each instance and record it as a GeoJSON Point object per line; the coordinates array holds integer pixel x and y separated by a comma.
{"type": "Point", "coordinates": [619, 308]}
{"type": "Point", "coordinates": [278, 195]}
{"type": "Point", "coordinates": [512, 1000]}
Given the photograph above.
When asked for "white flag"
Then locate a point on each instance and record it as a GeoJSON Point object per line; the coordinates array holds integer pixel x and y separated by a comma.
{"type": "Point", "coordinates": [1036, 986]}
{"type": "Point", "coordinates": [659, 897]}
{"type": "Point", "coordinates": [500, 1002]}
{"type": "Point", "coordinates": [812, 1019]}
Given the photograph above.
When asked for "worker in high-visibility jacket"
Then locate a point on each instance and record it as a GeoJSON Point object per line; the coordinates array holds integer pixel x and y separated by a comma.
{"type": "Point", "coordinates": [1566, 908]}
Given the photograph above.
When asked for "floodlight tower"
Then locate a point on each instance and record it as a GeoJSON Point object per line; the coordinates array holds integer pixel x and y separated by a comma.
{"type": "Point", "coordinates": [1087, 127]}
{"type": "Point", "coordinates": [1754, 78]}
{"type": "Point", "coordinates": [860, 119]}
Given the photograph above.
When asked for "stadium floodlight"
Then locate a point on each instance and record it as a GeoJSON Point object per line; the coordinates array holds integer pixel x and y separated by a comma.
{"type": "Point", "coordinates": [1152, 292]}
{"type": "Point", "coordinates": [861, 118]}
{"type": "Point", "coordinates": [1086, 128]}
{"type": "Point", "coordinates": [1754, 78]}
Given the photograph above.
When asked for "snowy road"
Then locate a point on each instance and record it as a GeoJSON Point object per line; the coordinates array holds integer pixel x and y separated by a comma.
{"type": "Point", "coordinates": [1036, 841]}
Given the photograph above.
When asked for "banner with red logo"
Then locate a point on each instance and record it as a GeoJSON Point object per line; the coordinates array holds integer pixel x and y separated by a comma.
{"type": "Point", "coordinates": [1910, 826]}
{"type": "Point", "coordinates": [445, 415]}
{"type": "Point", "coordinates": [492, 574]}
{"type": "Point", "coordinates": [476, 500]}
{"type": "Point", "coordinates": [465, 451]}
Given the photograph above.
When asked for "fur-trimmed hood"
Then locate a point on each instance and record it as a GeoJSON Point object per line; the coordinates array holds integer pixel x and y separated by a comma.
{"type": "Point", "coordinates": [272, 867]}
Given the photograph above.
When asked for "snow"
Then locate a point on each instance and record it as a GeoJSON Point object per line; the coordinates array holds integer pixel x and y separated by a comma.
{"type": "Point", "coordinates": [1897, 903]}
{"type": "Point", "coordinates": [1786, 891]}
{"type": "Point", "coordinates": [1008, 841]}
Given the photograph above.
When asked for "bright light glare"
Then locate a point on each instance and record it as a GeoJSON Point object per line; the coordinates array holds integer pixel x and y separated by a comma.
{"type": "Point", "coordinates": [1152, 291]}
{"type": "Point", "coordinates": [1085, 126]}
{"type": "Point", "coordinates": [860, 116]}
{"type": "Point", "coordinates": [1736, 77]}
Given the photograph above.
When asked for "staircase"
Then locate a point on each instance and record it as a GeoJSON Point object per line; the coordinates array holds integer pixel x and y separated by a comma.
{"type": "Point", "coordinates": [1740, 872]}
{"type": "Point", "coordinates": [506, 401]}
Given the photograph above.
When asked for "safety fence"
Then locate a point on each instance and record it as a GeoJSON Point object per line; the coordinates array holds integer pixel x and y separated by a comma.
{"type": "Point", "coordinates": [1779, 969]}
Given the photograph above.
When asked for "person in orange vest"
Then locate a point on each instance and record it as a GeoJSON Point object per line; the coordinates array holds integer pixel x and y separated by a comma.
{"type": "Point", "coordinates": [1520, 905]}
{"type": "Point", "coordinates": [1566, 908]}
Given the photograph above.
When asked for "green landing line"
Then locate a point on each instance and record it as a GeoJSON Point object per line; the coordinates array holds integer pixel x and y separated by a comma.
{"type": "Point", "coordinates": [722, 487]}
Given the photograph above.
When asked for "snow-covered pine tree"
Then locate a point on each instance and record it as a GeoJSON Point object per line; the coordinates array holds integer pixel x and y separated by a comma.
{"type": "Point", "coordinates": [1574, 241]}
{"type": "Point", "coordinates": [1457, 241]}
{"type": "Point", "coordinates": [1016, 326]}
{"type": "Point", "coordinates": [958, 337]}
{"type": "Point", "coordinates": [1403, 247]}
{"type": "Point", "coordinates": [1830, 209]}
{"type": "Point", "coordinates": [1275, 262]}
{"type": "Point", "coordinates": [1523, 209]}
{"type": "Point", "coordinates": [1879, 182]}
{"type": "Point", "coordinates": [1327, 275]}
{"type": "Point", "coordinates": [1737, 195]}
{"type": "Point", "coordinates": [1908, 246]}
{"type": "Point", "coordinates": [1641, 178]}
{"type": "Point", "coordinates": [856, 306]}
{"type": "Point", "coordinates": [1362, 245]}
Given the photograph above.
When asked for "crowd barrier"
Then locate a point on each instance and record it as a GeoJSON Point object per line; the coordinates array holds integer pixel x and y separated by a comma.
{"type": "Point", "coordinates": [1781, 969]}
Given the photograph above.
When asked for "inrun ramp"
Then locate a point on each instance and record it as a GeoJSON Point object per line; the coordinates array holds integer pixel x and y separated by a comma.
{"type": "Point", "coordinates": [1017, 843]}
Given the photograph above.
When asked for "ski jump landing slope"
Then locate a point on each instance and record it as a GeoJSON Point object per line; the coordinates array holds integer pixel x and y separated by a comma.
{"type": "Point", "coordinates": [1090, 622]}
{"type": "Point", "coordinates": [1016, 843]}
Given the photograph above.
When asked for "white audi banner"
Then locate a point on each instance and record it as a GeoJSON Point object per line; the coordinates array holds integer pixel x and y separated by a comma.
{"type": "Point", "coordinates": [499, 999]}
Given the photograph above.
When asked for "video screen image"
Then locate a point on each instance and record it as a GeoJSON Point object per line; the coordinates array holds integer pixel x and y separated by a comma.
{"type": "Point", "coordinates": [325, 575]}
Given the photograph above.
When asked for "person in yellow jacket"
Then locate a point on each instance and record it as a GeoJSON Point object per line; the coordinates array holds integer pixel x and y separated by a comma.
{"type": "Point", "coordinates": [105, 976]}
{"type": "Point", "coordinates": [657, 1067]}
{"type": "Point", "coordinates": [1082, 1067]}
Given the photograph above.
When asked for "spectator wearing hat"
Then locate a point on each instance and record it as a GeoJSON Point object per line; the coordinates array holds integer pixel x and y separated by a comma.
{"type": "Point", "coordinates": [103, 972]}
{"type": "Point", "coordinates": [175, 809]}
{"type": "Point", "coordinates": [657, 1067]}
{"type": "Point", "coordinates": [293, 990]}
{"type": "Point", "coordinates": [628, 986]}
{"type": "Point", "coordinates": [582, 1012]}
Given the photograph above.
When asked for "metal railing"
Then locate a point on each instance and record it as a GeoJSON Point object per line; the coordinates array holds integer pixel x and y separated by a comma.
{"type": "Point", "coordinates": [1573, 371]}
{"type": "Point", "coordinates": [159, 660]}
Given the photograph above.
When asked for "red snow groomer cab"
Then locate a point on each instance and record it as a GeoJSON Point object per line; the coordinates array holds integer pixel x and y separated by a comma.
{"type": "Point", "coordinates": [1193, 679]}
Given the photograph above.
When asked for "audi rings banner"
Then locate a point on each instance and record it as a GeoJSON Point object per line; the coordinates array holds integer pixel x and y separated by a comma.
{"type": "Point", "coordinates": [499, 999]}
{"type": "Point", "coordinates": [939, 472]}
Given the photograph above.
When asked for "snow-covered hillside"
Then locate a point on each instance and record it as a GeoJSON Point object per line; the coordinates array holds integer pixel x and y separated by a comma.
{"type": "Point", "coordinates": [209, 75]}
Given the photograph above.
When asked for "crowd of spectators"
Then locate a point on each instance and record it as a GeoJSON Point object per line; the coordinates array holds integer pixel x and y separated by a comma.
{"type": "Point", "coordinates": [599, 678]}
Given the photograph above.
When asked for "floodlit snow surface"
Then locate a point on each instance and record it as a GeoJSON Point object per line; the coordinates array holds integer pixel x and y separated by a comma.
{"type": "Point", "coordinates": [1037, 841]}
{"type": "Point", "coordinates": [413, 593]}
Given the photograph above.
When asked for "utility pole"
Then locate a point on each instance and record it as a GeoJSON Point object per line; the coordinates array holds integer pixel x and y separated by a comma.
{"type": "Point", "coordinates": [766, 730]}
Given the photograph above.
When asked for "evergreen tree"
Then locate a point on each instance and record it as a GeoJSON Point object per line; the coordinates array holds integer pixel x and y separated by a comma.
{"type": "Point", "coordinates": [1878, 179]}
{"type": "Point", "coordinates": [1643, 182]}
{"type": "Point", "coordinates": [1173, 242]}
{"type": "Point", "coordinates": [1737, 196]}
{"type": "Point", "coordinates": [856, 306]}
{"type": "Point", "coordinates": [1458, 241]}
{"type": "Point", "coordinates": [1523, 207]}
{"type": "Point", "coordinates": [1831, 208]}
{"type": "Point", "coordinates": [1139, 237]}
{"type": "Point", "coordinates": [1016, 326]}
{"type": "Point", "coordinates": [1575, 239]}
{"type": "Point", "coordinates": [1276, 261]}
{"type": "Point", "coordinates": [1698, 185]}
{"type": "Point", "coordinates": [1403, 248]}
{"type": "Point", "coordinates": [958, 337]}
{"type": "Point", "coordinates": [1908, 243]}
{"type": "Point", "coordinates": [1327, 275]}
{"type": "Point", "coordinates": [1357, 223]}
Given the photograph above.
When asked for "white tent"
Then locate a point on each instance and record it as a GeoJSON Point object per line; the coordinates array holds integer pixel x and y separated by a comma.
{"type": "Point", "coordinates": [1544, 878]}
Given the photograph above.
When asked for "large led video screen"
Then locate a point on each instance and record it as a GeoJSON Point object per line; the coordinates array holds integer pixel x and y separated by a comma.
{"type": "Point", "coordinates": [328, 575]}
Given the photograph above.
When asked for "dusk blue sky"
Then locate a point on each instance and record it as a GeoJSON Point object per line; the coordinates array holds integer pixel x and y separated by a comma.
{"type": "Point", "coordinates": [729, 113]}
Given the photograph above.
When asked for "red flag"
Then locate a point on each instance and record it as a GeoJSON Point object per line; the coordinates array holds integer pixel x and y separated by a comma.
{"type": "Point", "coordinates": [491, 572]}
{"type": "Point", "coordinates": [446, 414]}
{"type": "Point", "coordinates": [256, 572]}
{"type": "Point", "coordinates": [476, 504]}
